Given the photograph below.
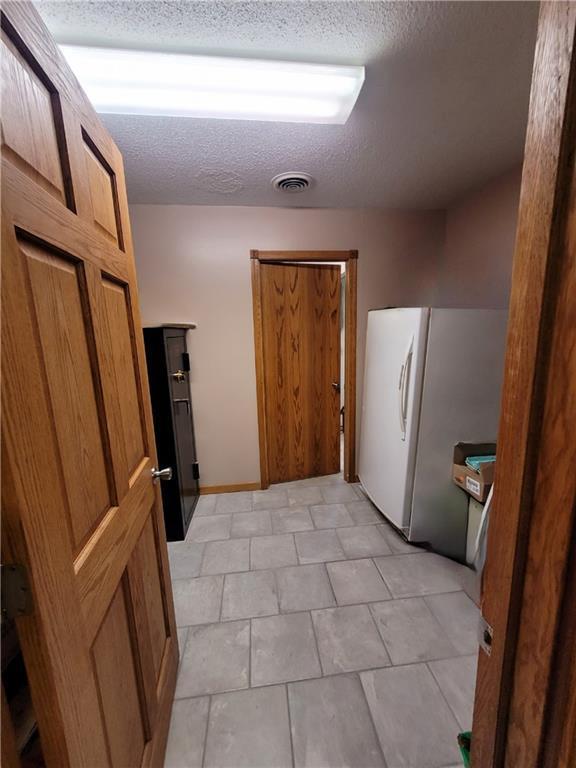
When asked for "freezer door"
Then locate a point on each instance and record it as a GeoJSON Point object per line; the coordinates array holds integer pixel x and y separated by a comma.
{"type": "Point", "coordinates": [395, 351]}
{"type": "Point", "coordinates": [460, 402]}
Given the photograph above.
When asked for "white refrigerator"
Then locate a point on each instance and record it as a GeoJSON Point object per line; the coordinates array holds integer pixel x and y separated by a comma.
{"type": "Point", "coordinates": [432, 379]}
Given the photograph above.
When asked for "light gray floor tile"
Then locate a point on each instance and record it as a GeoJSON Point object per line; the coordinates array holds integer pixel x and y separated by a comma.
{"type": "Point", "coordinates": [318, 547]}
{"type": "Point", "coordinates": [206, 505]}
{"type": "Point", "coordinates": [304, 587]}
{"type": "Point", "coordinates": [251, 524]}
{"type": "Point", "coordinates": [322, 481]}
{"type": "Point", "coordinates": [396, 542]}
{"type": "Point", "coordinates": [291, 519]}
{"type": "Point", "coordinates": [304, 496]}
{"type": "Point", "coordinates": [271, 498]}
{"type": "Point", "coordinates": [414, 724]}
{"type": "Point", "coordinates": [249, 729]}
{"type": "Point", "coordinates": [363, 541]}
{"type": "Point", "coordinates": [226, 556]}
{"type": "Point", "coordinates": [249, 594]}
{"type": "Point", "coordinates": [416, 575]}
{"type": "Point", "coordinates": [185, 559]}
{"type": "Point", "coordinates": [283, 649]}
{"type": "Point", "coordinates": [197, 601]}
{"type": "Point", "coordinates": [348, 639]}
{"type": "Point", "coordinates": [185, 745]}
{"type": "Point", "coordinates": [216, 658]}
{"type": "Point", "coordinates": [229, 503]}
{"type": "Point", "coordinates": [330, 516]}
{"type": "Point", "coordinates": [363, 512]}
{"type": "Point", "coordinates": [457, 679]}
{"type": "Point", "coordinates": [272, 551]}
{"type": "Point", "coordinates": [410, 631]}
{"type": "Point", "coordinates": [357, 581]}
{"type": "Point", "coordinates": [181, 633]}
{"type": "Point", "coordinates": [331, 724]}
{"type": "Point", "coordinates": [338, 494]}
{"type": "Point", "coordinates": [459, 617]}
{"type": "Point", "coordinates": [209, 528]}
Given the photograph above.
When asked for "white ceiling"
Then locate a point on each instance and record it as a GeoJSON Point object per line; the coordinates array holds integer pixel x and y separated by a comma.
{"type": "Point", "coordinates": [443, 108]}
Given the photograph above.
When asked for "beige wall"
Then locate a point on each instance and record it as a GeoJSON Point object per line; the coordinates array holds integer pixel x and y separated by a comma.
{"type": "Point", "coordinates": [193, 265]}
{"type": "Point", "coordinates": [476, 265]}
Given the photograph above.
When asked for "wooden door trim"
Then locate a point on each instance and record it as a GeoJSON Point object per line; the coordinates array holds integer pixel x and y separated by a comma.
{"type": "Point", "coordinates": [350, 259]}
{"type": "Point", "coordinates": [531, 530]}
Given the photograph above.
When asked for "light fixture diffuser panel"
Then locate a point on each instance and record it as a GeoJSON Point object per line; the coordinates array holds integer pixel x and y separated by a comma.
{"type": "Point", "coordinates": [149, 83]}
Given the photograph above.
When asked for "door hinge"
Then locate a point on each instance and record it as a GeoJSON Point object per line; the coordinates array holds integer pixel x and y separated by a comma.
{"type": "Point", "coordinates": [16, 595]}
{"type": "Point", "coordinates": [195, 470]}
{"type": "Point", "coordinates": [485, 635]}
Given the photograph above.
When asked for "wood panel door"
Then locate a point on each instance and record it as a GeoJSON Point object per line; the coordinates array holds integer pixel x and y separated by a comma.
{"type": "Point", "coordinates": [80, 509]}
{"type": "Point", "coordinates": [301, 350]}
{"type": "Point", "coordinates": [525, 705]}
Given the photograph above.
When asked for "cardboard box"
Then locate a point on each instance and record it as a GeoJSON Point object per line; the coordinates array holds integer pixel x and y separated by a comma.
{"type": "Point", "coordinates": [477, 484]}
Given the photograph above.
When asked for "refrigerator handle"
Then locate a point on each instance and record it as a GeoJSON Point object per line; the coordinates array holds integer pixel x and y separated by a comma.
{"type": "Point", "coordinates": [403, 388]}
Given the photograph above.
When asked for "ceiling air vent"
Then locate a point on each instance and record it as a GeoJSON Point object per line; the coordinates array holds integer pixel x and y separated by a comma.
{"type": "Point", "coordinates": [295, 181]}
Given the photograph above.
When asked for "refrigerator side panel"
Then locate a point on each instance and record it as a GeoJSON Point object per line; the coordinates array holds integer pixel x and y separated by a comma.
{"type": "Point", "coordinates": [460, 402]}
{"type": "Point", "coordinates": [390, 407]}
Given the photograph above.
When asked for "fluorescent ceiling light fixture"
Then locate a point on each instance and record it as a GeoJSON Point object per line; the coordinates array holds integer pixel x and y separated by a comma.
{"type": "Point", "coordinates": [127, 82]}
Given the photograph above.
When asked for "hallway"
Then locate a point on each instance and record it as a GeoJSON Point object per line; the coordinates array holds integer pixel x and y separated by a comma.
{"type": "Point", "coordinates": [311, 634]}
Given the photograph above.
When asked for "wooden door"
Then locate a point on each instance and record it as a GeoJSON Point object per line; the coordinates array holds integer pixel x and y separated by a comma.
{"type": "Point", "coordinates": [525, 707]}
{"type": "Point", "coordinates": [301, 350]}
{"type": "Point", "coordinates": [80, 510]}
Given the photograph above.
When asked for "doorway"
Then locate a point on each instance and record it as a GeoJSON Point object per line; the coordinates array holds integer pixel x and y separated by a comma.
{"type": "Point", "coordinates": [297, 305]}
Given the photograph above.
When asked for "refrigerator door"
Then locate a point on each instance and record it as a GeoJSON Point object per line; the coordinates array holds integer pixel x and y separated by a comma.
{"type": "Point", "coordinates": [395, 351]}
{"type": "Point", "coordinates": [460, 402]}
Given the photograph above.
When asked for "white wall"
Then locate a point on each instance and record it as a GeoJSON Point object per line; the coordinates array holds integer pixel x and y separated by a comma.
{"type": "Point", "coordinates": [193, 265]}
{"type": "Point", "coordinates": [476, 265]}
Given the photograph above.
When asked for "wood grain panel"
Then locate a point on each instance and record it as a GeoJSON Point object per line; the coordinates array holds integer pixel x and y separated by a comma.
{"type": "Point", "coordinates": [554, 502]}
{"type": "Point", "coordinates": [28, 131]}
{"type": "Point", "coordinates": [105, 556]}
{"type": "Point", "coordinates": [56, 288]}
{"type": "Point", "coordinates": [124, 366]}
{"type": "Point", "coordinates": [70, 332]}
{"type": "Point", "coordinates": [145, 554]}
{"type": "Point", "coordinates": [117, 681]}
{"type": "Point", "coordinates": [536, 430]}
{"type": "Point", "coordinates": [300, 339]}
{"type": "Point", "coordinates": [102, 194]}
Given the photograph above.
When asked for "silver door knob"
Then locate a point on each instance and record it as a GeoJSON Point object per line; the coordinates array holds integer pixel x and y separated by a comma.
{"type": "Point", "coordinates": [336, 386]}
{"type": "Point", "coordinates": [162, 474]}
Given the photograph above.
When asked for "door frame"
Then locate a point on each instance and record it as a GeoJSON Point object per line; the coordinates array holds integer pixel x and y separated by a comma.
{"type": "Point", "coordinates": [350, 260]}
{"type": "Point", "coordinates": [525, 701]}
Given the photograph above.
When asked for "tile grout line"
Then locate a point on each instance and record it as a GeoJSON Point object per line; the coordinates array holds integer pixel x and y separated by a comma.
{"type": "Point", "coordinates": [322, 676]}
{"type": "Point", "coordinates": [452, 712]}
{"type": "Point", "coordinates": [290, 725]}
{"type": "Point", "coordinates": [250, 654]}
{"type": "Point", "coordinates": [205, 741]}
{"type": "Point", "coordinates": [372, 721]}
{"type": "Point", "coordinates": [317, 645]}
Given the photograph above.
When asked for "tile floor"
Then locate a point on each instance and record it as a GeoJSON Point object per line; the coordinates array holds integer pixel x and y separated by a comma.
{"type": "Point", "coordinates": [311, 634]}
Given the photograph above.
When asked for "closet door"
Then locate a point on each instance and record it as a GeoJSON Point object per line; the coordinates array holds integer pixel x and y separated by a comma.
{"type": "Point", "coordinates": [81, 512]}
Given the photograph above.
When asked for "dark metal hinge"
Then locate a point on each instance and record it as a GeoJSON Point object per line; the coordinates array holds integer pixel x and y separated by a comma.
{"type": "Point", "coordinates": [16, 595]}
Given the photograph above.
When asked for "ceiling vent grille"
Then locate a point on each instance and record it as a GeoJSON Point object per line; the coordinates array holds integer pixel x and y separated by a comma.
{"type": "Point", "coordinates": [292, 182]}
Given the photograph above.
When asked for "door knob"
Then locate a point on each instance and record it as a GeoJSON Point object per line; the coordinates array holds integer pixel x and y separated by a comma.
{"type": "Point", "coordinates": [336, 386]}
{"type": "Point", "coordinates": [161, 474]}
{"type": "Point", "coordinates": [179, 375]}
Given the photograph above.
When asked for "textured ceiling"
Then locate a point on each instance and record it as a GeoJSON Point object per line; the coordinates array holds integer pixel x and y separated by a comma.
{"type": "Point", "coordinates": [443, 108]}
